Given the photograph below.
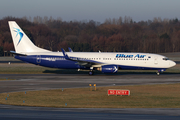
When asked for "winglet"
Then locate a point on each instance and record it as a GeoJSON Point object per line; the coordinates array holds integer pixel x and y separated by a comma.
{"type": "Point", "coordinates": [70, 50]}
{"type": "Point", "coordinates": [65, 54]}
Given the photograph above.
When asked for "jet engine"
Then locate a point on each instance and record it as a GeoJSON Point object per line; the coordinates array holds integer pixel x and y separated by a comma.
{"type": "Point", "coordinates": [108, 69]}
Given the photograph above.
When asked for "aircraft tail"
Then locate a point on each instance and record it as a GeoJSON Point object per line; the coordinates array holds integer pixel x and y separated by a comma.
{"type": "Point", "coordinates": [22, 43]}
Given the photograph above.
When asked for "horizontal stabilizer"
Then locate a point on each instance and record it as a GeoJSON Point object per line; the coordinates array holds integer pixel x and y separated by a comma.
{"type": "Point", "coordinates": [14, 53]}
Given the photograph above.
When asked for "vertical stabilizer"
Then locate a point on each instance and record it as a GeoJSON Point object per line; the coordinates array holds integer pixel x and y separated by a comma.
{"type": "Point", "coordinates": [22, 43]}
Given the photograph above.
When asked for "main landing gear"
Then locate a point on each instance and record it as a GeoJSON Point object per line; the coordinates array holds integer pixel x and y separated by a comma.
{"type": "Point", "coordinates": [91, 72]}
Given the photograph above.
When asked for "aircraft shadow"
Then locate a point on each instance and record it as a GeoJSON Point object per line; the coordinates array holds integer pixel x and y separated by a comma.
{"type": "Point", "coordinates": [74, 71]}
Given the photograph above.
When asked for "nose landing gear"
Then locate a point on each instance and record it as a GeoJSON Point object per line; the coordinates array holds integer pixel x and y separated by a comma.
{"type": "Point", "coordinates": [160, 71]}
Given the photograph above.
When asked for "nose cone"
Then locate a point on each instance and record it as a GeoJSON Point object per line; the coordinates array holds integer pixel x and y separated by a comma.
{"type": "Point", "coordinates": [172, 63]}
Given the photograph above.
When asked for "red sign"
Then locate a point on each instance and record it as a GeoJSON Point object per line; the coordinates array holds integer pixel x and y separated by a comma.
{"type": "Point", "coordinates": [118, 92]}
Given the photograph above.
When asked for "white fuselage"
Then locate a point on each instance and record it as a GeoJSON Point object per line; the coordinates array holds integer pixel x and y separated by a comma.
{"type": "Point", "coordinates": [123, 60]}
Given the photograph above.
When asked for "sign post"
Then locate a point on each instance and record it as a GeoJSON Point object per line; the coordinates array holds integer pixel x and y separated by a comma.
{"type": "Point", "coordinates": [95, 87]}
{"type": "Point", "coordinates": [90, 87]}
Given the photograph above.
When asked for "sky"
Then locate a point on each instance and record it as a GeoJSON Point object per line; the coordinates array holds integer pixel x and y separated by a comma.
{"type": "Point", "coordinates": [97, 10]}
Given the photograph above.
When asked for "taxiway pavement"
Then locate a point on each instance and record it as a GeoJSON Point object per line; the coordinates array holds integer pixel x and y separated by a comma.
{"type": "Point", "coordinates": [28, 82]}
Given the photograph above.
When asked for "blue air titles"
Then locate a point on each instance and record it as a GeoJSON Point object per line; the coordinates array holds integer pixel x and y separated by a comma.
{"type": "Point", "coordinates": [129, 56]}
{"type": "Point", "coordinates": [124, 56]}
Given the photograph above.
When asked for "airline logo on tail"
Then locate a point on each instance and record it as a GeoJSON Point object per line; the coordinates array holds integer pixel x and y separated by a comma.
{"type": "Point", "coordinates": [18, 33]}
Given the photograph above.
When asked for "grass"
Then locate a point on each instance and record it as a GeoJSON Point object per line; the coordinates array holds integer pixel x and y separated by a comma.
{"type": "Point", "coordinates": [2, 79]}
{"type": "Point", "coordinates": [22, 68]}
{"type": "Point", "coordinates": [142, 96]}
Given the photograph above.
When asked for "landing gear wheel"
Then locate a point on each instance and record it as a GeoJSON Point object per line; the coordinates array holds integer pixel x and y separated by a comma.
{"type": "Point", "coordinates": [158, 73]}
{"type": "Point", "coordinates": [91, 72]}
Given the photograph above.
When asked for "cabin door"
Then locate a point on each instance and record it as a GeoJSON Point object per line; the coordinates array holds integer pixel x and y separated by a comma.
{"type": "Point", "coordinates": [38, 59]}
{"type": "Point", "coordinates": [156, 60]}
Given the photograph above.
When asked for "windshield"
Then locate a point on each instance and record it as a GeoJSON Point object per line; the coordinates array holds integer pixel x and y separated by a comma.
{"type": "Point", "coordinates": [165, 58]}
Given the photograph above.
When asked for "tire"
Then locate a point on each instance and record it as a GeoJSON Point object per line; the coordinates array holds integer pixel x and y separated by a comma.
{"type": "Point", "coordinates": [91, 72]}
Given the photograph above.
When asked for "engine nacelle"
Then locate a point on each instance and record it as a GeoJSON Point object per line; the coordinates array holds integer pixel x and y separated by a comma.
{"type": "Point", "coordinates": [109, 69]}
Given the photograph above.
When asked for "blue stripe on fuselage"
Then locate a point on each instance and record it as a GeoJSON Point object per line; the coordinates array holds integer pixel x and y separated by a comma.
{"type": "Point", "coordinates": [52, 61]}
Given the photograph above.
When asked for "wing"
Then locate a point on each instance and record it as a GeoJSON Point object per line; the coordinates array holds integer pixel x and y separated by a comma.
{"type": "Point", "coordinates": [86, 63]}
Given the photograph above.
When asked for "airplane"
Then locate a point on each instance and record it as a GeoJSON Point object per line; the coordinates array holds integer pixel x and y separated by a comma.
{"type": "Point", "coordinates": [106, 62]}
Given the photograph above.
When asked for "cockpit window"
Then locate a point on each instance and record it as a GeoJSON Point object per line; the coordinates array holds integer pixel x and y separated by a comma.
{"type": "Point", "coordinates": [165, 58]}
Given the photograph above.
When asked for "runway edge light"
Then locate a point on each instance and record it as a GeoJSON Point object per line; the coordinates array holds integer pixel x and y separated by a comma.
{"type": "Point", "coordinates": [117, 92]}
{"type": "Point", "coordinates": [95, 87]}
{"type": "Point", "coordinates": [90, 87]}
